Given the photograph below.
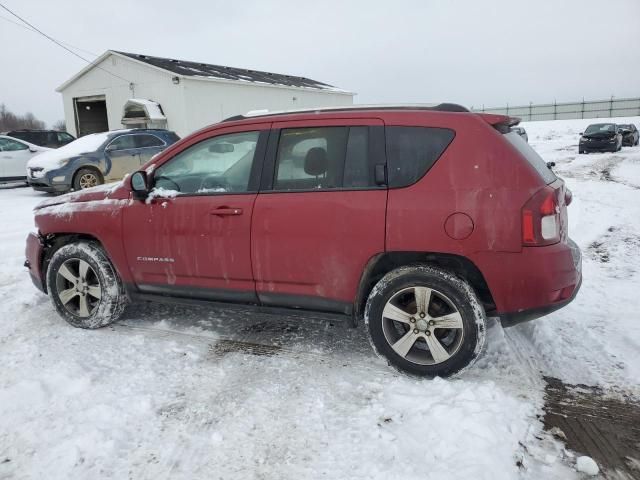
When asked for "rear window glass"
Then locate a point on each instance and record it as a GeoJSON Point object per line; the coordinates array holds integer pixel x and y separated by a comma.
{"type": "Point", "coordinates": [532, 157]}
{"type": "Point", "coordinates": [412, 151]}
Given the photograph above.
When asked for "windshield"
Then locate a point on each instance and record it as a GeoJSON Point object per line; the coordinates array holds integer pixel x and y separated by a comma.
{"type": "Point", "coordinates": [600, 128]}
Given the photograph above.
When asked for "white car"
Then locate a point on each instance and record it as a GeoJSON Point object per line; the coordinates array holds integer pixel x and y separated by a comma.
{"type": "Point", "coordinates": [14, 155]}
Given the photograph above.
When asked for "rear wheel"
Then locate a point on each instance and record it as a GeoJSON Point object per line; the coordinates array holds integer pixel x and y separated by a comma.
{"type": "Point", "coordinates": [425, 321]}
{"type": "Point", "coordinates": [84, 287]}
{"type": "Point", "coordinates": [87, 178]}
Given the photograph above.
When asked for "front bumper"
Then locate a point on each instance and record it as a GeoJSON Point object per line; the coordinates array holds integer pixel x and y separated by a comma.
{"type": "Point", "coordinates": [51, 182]}
{"type": "Point", "coordinates": [598, 146]}
{"type": "Point", "coordinates": [33, 262]}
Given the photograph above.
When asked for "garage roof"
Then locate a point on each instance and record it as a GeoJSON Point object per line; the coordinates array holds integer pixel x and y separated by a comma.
{"type": "Point", "coordinates": [197, 69]}
{"type": "Point", "coordinates": [207, 71]}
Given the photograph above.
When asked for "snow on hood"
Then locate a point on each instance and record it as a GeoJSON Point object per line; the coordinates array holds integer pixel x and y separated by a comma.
{"type": "Point", "coordinates": [51, 159]}
{"type": "Point", "coordinates": [101, 192]}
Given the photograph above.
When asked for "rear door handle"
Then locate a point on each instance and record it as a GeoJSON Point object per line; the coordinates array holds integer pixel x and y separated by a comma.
{"type": "Point", "coordinates": [227, 211]}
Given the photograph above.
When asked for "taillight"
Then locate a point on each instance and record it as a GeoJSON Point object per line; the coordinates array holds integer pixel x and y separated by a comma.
{"type": "Point", "coordinates": [541, 218]}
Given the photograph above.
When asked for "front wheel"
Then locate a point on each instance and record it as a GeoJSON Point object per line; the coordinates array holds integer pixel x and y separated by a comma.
{"type": "Point", "coordinates": [87, 178]}
{"type": "Point", "coordinates": [84, 287]}
{"type": "Point", "coordinates": [425, 321]}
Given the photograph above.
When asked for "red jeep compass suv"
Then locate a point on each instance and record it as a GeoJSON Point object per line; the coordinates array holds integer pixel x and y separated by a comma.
{"type": "Point", "coordinates": [422, 221]}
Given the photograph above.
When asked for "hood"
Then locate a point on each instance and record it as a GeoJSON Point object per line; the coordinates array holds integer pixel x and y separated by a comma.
{"type": "Point", "coordinates": [600, 135]}
{"type": "Point", "coordinates": [48, 160]}
{"type": "Point", "coordinates": [82, 146]}
{"type": "Point", "coordinates": [101, 192]}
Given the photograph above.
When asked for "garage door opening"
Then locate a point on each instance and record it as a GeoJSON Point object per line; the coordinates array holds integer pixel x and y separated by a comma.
{"type": "Point", "coordinates": [91, 115]}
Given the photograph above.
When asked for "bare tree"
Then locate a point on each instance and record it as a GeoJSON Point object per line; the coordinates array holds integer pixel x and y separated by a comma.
{"type": "Point", "coordinates": [11, 121]}
{"type": "Point", "coordinates": [60, 126]}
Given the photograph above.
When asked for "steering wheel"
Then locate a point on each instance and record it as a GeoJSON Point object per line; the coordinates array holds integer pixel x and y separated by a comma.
{"type": "Point", "coordinates": [166, 179]}
{"type": "Point", "coordinates": [215, 183]}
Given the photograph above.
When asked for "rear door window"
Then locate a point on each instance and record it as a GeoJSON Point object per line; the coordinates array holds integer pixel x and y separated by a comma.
{"type": "Point", "coordinates": [323, 158]}
{"type": "Point", "coordinates": [412, 151]}
{"type": "Point", "coordinates": [64, 138]}
{"type": "Point", "coordinates": [147, 140]}
{"type": "Point", "coordinates": [532, 157]}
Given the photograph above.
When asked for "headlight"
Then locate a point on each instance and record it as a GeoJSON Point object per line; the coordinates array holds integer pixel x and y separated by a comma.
{"type": "Point", "coordinates": [584, 139]}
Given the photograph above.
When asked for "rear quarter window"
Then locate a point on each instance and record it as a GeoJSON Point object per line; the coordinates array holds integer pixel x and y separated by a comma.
{"type": "Point", "coordinates": [535, 160]}
{"type": "Point", "coordinates": [412, 151]}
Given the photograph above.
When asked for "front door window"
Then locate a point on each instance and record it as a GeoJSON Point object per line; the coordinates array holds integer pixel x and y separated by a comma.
{"type": "Point", "coordinates": [217, 165]}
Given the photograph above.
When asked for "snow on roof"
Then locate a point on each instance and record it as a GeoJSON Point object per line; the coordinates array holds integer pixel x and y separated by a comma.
{"type": "Point", "coordinates": [154, 112]}
{"type": "Point", "coordinates": [207, 70]}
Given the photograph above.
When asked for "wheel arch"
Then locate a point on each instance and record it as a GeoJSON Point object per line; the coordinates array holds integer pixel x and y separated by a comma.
{"type": "Point", "coordinates": [381, 264]}
{"type": "Point", "coordinates": [53, 242]}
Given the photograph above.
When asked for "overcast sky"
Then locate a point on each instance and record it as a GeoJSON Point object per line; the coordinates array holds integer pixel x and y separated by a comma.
{"type": "Point", "coordinates": [472, 52]}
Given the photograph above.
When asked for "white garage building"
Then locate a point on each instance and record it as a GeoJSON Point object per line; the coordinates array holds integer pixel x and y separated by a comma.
{"type": "Point", "coordinates": [121, 90]}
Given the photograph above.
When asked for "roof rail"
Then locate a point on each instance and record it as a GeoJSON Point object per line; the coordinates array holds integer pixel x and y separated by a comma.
{"type": "Point", "coordinates": [436, 107]}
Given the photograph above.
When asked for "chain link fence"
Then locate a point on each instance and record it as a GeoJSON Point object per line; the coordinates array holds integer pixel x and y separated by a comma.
{"type": "Point", "coordinates": [613, 107]}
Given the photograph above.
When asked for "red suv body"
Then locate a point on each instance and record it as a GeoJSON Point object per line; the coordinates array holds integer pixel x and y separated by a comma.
{"type": "Point", "coordinates": [316, 210]}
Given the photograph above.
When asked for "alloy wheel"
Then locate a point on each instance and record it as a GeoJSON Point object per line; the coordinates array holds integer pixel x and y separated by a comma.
{"type": "Point", "coordinates": [78, 287]}
{"type": "Point", "coordinates": [422, 325]}
{"type": "Point", "coordinates": [88, 180]}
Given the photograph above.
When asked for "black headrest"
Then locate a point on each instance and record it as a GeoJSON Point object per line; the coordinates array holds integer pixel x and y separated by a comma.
{"type": "Point", "coordinates": [316, 163]}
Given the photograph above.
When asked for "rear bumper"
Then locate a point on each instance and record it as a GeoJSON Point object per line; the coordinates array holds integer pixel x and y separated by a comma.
{"type": "Point", "coordinates": [534, 282]}
{"type": "Point", "coordinates": [33, 262]}
{"type": "Point", "coordinates": [514, 318]}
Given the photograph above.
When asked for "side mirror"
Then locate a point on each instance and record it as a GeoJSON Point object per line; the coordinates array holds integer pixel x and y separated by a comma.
{"type": "Point", "coordinates": [581, 133]}
{"type": "Point", "coordinates": [33, 150]}
{"type": "Point", "coordinates": [139, 185]}
{"type": "Point", "coordinates": [110, 148]}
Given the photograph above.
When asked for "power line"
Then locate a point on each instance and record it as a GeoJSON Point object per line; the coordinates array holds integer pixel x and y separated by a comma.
{"type": "Point", "coordinates": [34, 31]}
{"type": "Point", "coordinates": [61, 45]}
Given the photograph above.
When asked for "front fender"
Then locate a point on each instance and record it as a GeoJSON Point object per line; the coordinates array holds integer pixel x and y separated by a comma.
{"type": "Point", "coordinates": [96, 219]}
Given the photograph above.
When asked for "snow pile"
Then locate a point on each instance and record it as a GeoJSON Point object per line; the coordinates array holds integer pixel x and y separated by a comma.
{"type": "Point", "coordinates": [587, 465]}
{"type": "Point", "coordinates": [603, 220]}
{"type": "Point", "coordinates": [170, 392]}
{"type": "Point", "coordinates": [51, 159]}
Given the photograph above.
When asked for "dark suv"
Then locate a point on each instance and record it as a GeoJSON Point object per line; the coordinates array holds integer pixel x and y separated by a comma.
{"type": "Point", "coordinates": [43, 138]}
{"type": "Point", "coordinates": [420, 221]}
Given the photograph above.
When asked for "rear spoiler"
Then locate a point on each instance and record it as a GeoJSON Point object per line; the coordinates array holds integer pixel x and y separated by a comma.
{"type": "Point", "coordinates": [502, 123]}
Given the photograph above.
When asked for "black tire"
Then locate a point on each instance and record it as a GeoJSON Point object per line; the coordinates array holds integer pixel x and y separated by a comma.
{"type": "Point", "coordinates": [101, 311]}
{"type": "Point", "coordinates": [83, 175]}
{"type": "Point", "coordinates": [448, 288]}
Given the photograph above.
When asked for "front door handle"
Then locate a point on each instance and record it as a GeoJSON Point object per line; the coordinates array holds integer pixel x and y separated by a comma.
{"type": "Point", "coordinates": [227, 211]}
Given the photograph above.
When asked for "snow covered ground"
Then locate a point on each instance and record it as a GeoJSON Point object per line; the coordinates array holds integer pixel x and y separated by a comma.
{"type": "Point", "coordinates": [175, 392]}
